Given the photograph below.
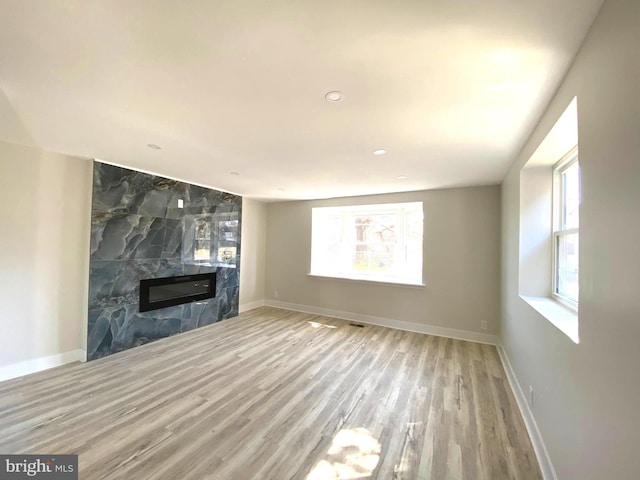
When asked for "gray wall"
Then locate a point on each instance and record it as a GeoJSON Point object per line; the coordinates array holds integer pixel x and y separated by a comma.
{"type": "Point", "coordinates": [587, 394]}
{"type": "Point", "coordinates": [254, 242]}
{"type": "Point", "coordinates": [461, 262]}
{"type": "Point", "coordinates": [44, 255]}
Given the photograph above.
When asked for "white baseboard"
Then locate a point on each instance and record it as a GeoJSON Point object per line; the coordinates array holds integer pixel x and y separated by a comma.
{"type": "Point", "coordinates": [544, 460]}
{"type": "Point", "coordinates": [251, 305]}
{"type": "Point", "coordinates": [42, 363]}
{"type": "Point", "coordinates": [391, 323]}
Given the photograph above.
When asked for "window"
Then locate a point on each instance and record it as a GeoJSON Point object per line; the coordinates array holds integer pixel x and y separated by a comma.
{"type": "Point", "coordinates": [566, 190]}
{"type": "Point", "coordinates": [368, 242]}
{"type": "Point", "coordinates": [549, 223]}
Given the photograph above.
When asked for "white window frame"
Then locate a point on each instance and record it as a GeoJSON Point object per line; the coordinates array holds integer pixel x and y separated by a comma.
{"type": "Point", "coordinates": [349, 242]}
{"type": "Point", "coordinates": [559, 168]}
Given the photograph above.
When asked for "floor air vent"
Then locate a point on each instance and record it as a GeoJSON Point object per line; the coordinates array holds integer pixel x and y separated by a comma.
{"type": "Point", "coordinates": [357, 325]}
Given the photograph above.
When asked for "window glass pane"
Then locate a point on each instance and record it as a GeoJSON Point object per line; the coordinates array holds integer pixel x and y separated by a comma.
{"type": "Point", "coordinates": [571, 197]}
{"type": "Point", "coordinates": [326, 241]}
{"type": "Point", "coordinates": [567, 270]}
{"type": "Point", "coordinates": [374, 228]}
{"type": "Point", "coordinates": [369, 259]}
{"type": "Point", "coordinates": [413, 243]}
{"type": "Point", "coordinates": [375, 237]}
{"type": "Point", "coordinates": [382, 242]}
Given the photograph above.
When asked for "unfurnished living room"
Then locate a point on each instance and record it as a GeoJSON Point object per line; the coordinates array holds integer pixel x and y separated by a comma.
{"type": "Point", "coordinates": [320, 240]}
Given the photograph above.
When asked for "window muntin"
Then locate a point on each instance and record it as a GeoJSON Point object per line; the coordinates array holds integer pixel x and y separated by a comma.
{"type": "Point", "coordinates": [368, 242]}
{"type": "Point", "coordinates": [566, 239]}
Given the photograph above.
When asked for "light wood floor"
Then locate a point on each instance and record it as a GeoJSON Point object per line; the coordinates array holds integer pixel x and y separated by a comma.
{"type": "Point", "coordinates": [276, 395]}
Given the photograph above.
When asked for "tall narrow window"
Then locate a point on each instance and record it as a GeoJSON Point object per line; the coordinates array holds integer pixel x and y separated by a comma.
{"type": "Point", "coordinates": [368, 242]}
{"type": "Point", "coordinates": [566, 228]}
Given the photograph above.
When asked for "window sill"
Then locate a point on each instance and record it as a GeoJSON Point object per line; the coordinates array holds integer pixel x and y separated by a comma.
{"type": "Point", "coordinates": [368, 281]}
{"type": "Point", "coordinates": [562, 317]}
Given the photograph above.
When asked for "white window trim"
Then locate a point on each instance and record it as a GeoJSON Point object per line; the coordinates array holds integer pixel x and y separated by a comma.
{"type": "Point", "coordinates": [356, 279]}
{"type": "Point", "coordinates": [536, 218]}
{"type": "Point", "coordinates": [563, 164]}
{"type": "Point", "coordinates": [558, 313]}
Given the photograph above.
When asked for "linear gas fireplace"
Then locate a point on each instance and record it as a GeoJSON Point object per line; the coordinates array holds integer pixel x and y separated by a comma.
{"type": "Point", "coordinates": [165, 292]}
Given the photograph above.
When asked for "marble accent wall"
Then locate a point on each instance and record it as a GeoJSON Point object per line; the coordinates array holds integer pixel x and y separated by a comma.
{"type": "Point", "coordinates": [145, 226]}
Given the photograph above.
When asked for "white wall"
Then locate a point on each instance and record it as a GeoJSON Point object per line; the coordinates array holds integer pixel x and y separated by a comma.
{"type": "Point", "coordinates": [45, 213]}
{"type": "Point", "coordinates": [586, 395]}
{"type": "Point", "coordinates": [44, 252]}
{"type": "Point", "coordinates": [252, 262]}
{"type": "Point", "coordinates": [461, 262]}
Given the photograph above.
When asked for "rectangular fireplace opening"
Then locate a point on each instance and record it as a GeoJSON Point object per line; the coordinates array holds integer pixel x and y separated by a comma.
{"type": "Point", "coordinates": [166, 292]}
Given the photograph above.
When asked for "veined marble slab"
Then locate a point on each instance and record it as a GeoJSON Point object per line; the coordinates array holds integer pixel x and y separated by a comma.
{"type": "Point", "coordinates": [138, 232]}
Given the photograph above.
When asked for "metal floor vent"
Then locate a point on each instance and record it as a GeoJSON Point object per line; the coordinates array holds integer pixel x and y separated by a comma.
{"type": "Point", "coordinates": [357, 325]}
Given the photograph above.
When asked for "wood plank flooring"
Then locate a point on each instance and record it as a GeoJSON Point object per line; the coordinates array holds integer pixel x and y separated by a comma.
{"type": "Point", "coordinates": [275, 395]}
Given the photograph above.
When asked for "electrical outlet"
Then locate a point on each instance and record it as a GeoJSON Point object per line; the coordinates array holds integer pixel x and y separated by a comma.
{"type": "Point", "coordinates": [530, 395]}
{"type": "Point", "coordinates": [275, 294]}
{"type": "Point", "coordinates": [483, 324]}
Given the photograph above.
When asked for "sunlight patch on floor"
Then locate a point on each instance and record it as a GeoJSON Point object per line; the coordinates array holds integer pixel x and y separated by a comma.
{"type": "Point", "coordinates": [354, 453]}
{"type": "Point", "coordinates": [318, 325]}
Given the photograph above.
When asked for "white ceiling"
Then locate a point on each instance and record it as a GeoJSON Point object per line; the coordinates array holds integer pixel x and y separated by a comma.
{"type": "Point", "coordinates": [450, 88]}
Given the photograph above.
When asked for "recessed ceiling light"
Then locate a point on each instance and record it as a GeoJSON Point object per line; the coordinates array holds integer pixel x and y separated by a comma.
{"type": "Point", "coordinates": [379, 151]}
{"type": "Point", "coordinates": [334, 96]}
{"type": "Point", "coordinates": [401, 177]}
{"type": "Point", "coordinates": [153, 146]}
{"type": "Point", "coordinates": [234, 173]}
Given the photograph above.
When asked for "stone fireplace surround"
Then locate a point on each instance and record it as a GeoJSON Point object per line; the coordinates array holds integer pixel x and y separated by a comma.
{"type": "Point", "coordinates": [140, 231]}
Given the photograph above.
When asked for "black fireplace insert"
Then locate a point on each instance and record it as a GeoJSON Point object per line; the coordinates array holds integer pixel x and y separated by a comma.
{"type": "Point", "coordinates": [165, 292]}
